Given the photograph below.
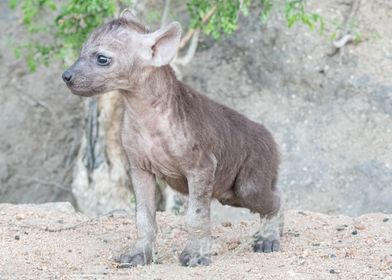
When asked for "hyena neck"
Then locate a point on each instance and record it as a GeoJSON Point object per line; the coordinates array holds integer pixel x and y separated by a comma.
{"type": "Point", "coordinates": [156, 91]}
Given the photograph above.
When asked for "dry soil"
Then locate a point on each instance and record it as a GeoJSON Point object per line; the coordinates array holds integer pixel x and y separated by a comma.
{"type": "Point", "coordinates": [52, 241]}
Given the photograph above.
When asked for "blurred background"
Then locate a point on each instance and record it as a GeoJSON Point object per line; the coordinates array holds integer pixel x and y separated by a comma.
{"type": "Point", "coordinates": [316, 73]}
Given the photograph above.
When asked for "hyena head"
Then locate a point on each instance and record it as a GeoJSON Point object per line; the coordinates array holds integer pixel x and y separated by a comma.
{"type": "Point", "coordinates": [116, 55]}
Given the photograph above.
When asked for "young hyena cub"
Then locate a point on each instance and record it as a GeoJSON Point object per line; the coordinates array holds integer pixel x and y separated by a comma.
{"type": "Point", "coordinates": [199, 147]}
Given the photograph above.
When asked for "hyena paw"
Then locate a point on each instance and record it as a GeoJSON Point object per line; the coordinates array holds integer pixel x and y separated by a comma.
{"type": "Point", "coordinates": [197, 252]}
{"type": "Point", "coordinates": [188, 258]}
{"type": "Point", "coordinates": [267, 245]}
{"type": "Point", "coordinates": [134, 259]}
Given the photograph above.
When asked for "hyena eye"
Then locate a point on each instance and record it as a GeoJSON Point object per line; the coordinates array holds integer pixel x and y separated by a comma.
{"type": "Point", "coordinates": [103, 60]}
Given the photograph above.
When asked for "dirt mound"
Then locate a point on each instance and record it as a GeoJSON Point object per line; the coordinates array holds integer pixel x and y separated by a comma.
{"type": "Point", "coordinates": [53, 241]}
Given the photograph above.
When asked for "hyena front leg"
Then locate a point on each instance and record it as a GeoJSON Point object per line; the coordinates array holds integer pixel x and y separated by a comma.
{"type": "Point", "coordinates": [197, 249]}
{"type": "Point", "coordinates": [144, 187]}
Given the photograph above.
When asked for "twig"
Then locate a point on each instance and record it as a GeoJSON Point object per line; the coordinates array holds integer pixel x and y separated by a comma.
{"type": "Point", "coordinates": [353, 11]}
{"type": "Point", "coordinates": [343, 41]}
{"type": "Point", "coordinates": [165, 14]}
{"type": "Point", "coordinates": [346, 37]}
{"type": "Point", "coordinates": [36, 102]}
{"type": "Point", "coordinates": [240, 9]}
{"type": "Point", "coordinates": [48, 183]}
{"type": "Point", "coordinates": [190, 32]}
{"type": "Point", "coordinates": [191, 50]}
{"type": "Point", "coordinates": [108, 214]}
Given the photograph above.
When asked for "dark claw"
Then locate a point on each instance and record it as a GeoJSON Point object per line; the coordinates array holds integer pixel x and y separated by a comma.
{"type": "Point", "coordinates": [204, 260]}
{"type": "Point", "coordinates": [266, 246]}
{"type": "Point", "coordinates": [186, 259]}
{"type": "Point", "coordinates": [276, 246]}
{"type": "Point", "coordinates": [127, 260]}
{"type": "Point", "coordinates": [258, 247]}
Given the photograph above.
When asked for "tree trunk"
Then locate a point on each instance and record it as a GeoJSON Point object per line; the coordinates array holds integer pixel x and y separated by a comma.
{"type": "Point", "coordinates": [100, 181]}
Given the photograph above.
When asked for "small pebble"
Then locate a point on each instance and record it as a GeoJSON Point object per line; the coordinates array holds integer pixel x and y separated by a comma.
{"type": "Point", "coordinates": [359, 226]}
{"type": "Point", "coordinates": [17, 237]}
{"type": "Point", "coordinates": [342, 227]}
{"type": "Point", "coordinates": [20, 217]}
{"type": "Point", "coordinates": [355, 232]}
{"type": "Point", "coordinates": [388, 260]}
{"type": "Point", "coordinates": [227, 224]}
{"type": "Point", "coordinates": [332, 271]}
{"type": "Point", "coordinates": [385, 220]}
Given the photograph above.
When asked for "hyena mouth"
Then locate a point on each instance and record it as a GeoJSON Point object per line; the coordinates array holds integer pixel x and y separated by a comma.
{"type": "Point", "coordinates": [86, 91]}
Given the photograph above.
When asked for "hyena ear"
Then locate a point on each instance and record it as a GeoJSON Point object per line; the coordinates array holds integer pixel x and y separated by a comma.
{"type": "Point", "coordinates": [163, 44]}
{"type": "Point", "coordinates": [136, 24]}
{"type": "Point", "coordinates": [128, 15]}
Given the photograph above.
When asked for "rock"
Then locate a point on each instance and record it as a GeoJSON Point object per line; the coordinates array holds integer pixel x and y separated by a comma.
{"type": "Point", "coordinates": [64, 207]}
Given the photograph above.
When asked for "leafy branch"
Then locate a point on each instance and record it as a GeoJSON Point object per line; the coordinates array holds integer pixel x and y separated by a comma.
{"type": "Point", "coordinates": [70, 25]}
{"type": "Point", "coordinates": [226, 14]}
{"type": "Point", "coordinates": [66, 26]}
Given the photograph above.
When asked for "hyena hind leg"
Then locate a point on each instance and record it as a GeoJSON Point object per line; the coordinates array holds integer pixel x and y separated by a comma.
{"type": "Point", "coordinates": [267, 201]}
{"type": "Point", "coordinates": [267, 238]}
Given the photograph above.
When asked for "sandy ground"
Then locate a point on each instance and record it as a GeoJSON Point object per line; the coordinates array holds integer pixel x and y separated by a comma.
{"type": "Point", "coordinates": [52, 241]}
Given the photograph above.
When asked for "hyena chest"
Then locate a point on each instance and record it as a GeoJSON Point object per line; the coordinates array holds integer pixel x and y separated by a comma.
{"type": "Point", "coordinates": [156, 150]}
{"type": "Point", "coordinates": [157, 156]}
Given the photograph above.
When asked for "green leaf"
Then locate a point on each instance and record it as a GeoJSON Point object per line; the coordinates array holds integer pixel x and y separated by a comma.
{"type": "Point", "coordinates": [17, 52]}
{"type": "Point", "coordinates": [13, 3]}
{"type": "Point", "coordinates": [31, 63]}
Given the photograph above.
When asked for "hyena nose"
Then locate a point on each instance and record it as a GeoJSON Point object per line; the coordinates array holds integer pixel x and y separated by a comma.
{"type": "Point", "coordinates": [67, 76]}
